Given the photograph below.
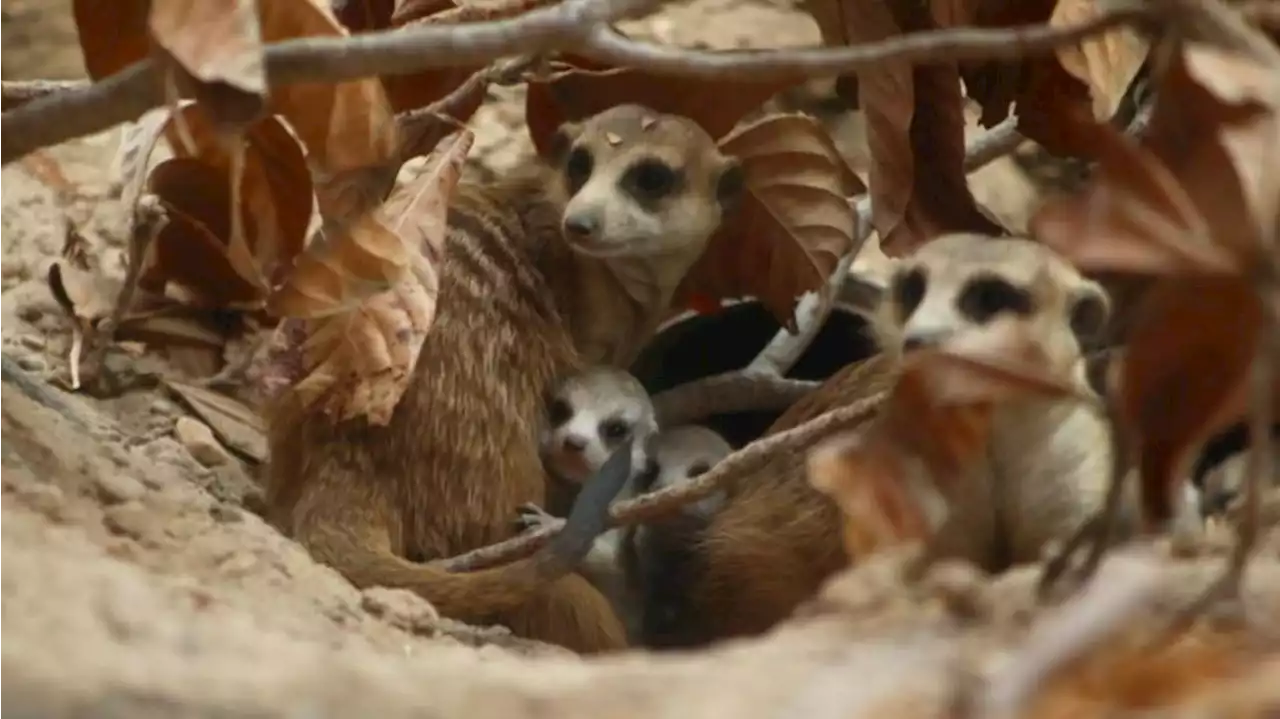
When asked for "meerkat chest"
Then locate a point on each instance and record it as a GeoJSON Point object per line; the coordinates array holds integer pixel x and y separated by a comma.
{"type": "Point", "coordinates": [612, 314]}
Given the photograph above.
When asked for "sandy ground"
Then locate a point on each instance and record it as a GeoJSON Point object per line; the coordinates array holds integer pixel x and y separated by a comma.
{"type": "Point", "coordinates": [136, 583]}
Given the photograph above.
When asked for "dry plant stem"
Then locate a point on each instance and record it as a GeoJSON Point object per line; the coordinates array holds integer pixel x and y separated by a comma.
{"type": "Point", "coordinates": [422, 129]}
{"type": "Point", "coordinates": [655, 504]}
{"type": "Point", "coordinates": [581, 25]}
{"type": "Point", "coordinates": [15, 93]}
{"type": "Point", "coordinates": [1122, 590]}
{"type": "Point", "coordinates": [149, 218]}
{"type": "Point", "coordinates": [1097, 531]}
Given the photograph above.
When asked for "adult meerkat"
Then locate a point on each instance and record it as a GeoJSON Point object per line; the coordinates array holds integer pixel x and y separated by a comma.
{"type": "Point", "coordinates": [1045, 470]}
{"type": "Point", "coordinates": [590, 416]}
{"type": "Point", "coordinates": [553, 262]}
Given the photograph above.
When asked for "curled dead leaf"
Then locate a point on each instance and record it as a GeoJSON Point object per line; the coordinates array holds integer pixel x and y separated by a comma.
{"type": "Point", "coordinates": [193, 249]}
{"type": "Point", "coordinates": [793, 224]}
{"type": "Point", "coordinates": [1106, 63]}
{"type": "Point", "coordinates": [127, 41]}
{"type": "Point", "coordinates": [275, 188]}
{"type": "Point", "coordinates": [1197, 209]}
{"type": "Point", "coordinates": [348, 127]}
{"type": "Point", "coordinates": [379, 250]}
{"type": "Point", "coordinates": [219, 46]}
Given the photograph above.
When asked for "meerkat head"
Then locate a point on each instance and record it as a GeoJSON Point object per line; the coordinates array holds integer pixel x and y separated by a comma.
{"type": "Point", "coordinates": [640, 183]}
{"type": "Point", "coordinates": [961, 281]}
{"type": "Point", "coordinates": [592, 414]}
{"type": "Point", "coordinates": [682, 453]}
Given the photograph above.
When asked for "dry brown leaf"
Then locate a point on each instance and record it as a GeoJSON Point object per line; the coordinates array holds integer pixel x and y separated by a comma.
{"type": "Point", "coordinates": [580, 87]}
{"type": "Point", "coordinates": [218, 44]}
{"type": "Point", "coordinates": [235, 425]}
{"type": "Point", "coordinates": [348, 127]}
{"type": "Point", "coordinates": [84, 291]}
{"type": "Point", "coordinates": [1107, 63]}
{"type": "Point", "coordinates": [915, 128]}
{"type": "Point", "coordinates": [358, 362]}
{"type": "Point", "coordinates": [275, 190]}
{"type": "Point", "coordinates": [113, 34]}
{"type": "Point", "coordinates": [894, 482]}
{"type": "Point", "coordinates": [381, 249]}
{"type": "Point", "coordinates": [793, 223]}
{"type": "Point", "coordinates": [133, 157]}
{"type": "Point", "coordinates": [364, 15]}
{"type": "Point", "coordinates": [1198, 208]}
{"type": "Point", "coordinates": [192, 250]}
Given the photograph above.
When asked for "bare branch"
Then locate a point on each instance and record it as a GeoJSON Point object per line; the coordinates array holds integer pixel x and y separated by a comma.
{"type": "Point", "coordinates": [578, 24]}
{"type": "Point", "coordinates": [655, 504]}
{"type": "Point", "coordinates": [737, 391]}
{"type": "Point", "coordinates": [19, 92]}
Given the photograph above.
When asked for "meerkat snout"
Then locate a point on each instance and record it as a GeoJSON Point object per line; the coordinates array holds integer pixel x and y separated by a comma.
{"type": "Point", "coordinates": [591, 415]}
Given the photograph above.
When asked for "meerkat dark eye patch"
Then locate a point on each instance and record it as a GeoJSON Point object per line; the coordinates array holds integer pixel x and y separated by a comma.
{"type": "Point", "coordinates": [1088, 316]}
{"type": "Point", "coordinates": [651, 179]}
{"type": "Point", "coordinates": [908, 290]}
{"type": "Point", "coordinates": [578, 167]}
{"type": "Point", "coordinates": [559, 412]}
{"type": "Point", "coordinates": [696, 469]}
{"type": "Point", "coordinates": [985, 297]}
{"type": "Point", "coordinates": [615, 429]}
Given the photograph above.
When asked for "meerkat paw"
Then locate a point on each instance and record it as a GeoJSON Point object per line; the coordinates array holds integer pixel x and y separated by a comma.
{"type": "Point", "coordinates": [532, 517]}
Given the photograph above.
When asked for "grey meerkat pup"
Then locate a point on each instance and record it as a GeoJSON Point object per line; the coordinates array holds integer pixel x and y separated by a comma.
{"type": "Point", "coordinates": [1045, 471]}
{"type": "Point", "coordinates": [553, 265]}
{"type": "Point", "coordinates": [590, 416]}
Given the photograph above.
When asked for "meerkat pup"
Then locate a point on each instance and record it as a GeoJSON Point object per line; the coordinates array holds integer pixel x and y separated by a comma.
{"type": "Point", "coordinates": [590, 416]}
{"type": "Point", "coordinates": [553, 263]}
{"type": "Point", "coordinates": [1045, 470]}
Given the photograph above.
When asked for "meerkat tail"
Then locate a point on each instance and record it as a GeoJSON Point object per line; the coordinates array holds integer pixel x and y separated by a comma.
{"type": "Point", "coordinates": [476, 595]}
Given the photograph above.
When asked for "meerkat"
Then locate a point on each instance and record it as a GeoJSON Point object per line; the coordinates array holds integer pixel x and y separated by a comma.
{"type": "Point", "coordinates": [1045, 470]}
{"type": "Point", "coordinates": [591, 415]}
{"type": "Point", "coordinates": [554, 264]}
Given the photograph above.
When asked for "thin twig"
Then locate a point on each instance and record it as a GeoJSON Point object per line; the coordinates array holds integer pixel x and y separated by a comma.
{"type": "Point", "coordinates": [655, 504]}
{"type": "Point", "coordinates": [728, 392]}
{"type": "Point", "coordinates": [17, 93]}
{"type": "Point", "coordinates": [581, 25]}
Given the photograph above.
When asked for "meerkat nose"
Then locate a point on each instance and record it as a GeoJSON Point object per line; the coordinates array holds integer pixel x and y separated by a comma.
{"type": "Point", "coordinates": [574, 443]}
{"type": "Point", "coordinates": [579, 226]}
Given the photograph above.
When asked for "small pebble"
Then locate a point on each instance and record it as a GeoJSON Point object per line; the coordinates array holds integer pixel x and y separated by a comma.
{"type": "Point", "coordinates": [226, 513]}
{"type": "Point", "coordinates": [200, 442]}
{"type": "Point", "coordinates": [115, 488]}
{"type": "Point", "coordinates": [130, 519]}
{"type": "Point", "coordinates": [47, 499]}
{"type": "Point", "coordinates": [35, 342]}
{"type": "Point", "coordinates": [400, 607]}
{"type": "Point", "coordinates": [32, 363]}
{"type": "Point", "coordinates": [30, 313]}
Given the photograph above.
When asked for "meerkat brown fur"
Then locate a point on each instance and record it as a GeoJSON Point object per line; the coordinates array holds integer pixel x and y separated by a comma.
{"type": "Point", "coordinates": [543, 267]}
{"type": "Point", "coordinates": [1045, 470]}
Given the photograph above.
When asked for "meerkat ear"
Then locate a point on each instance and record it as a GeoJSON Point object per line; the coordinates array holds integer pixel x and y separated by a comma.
{"type": "Point", "coordinates": [1090, 310]}
{"type": "Point", "coordinates": [562, 139]}
{"type": "Point", "coordinates": [731, 183]}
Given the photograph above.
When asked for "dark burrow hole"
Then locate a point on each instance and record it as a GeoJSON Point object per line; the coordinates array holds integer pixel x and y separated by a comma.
{"type": "Point", "coordinates": [703, 345]}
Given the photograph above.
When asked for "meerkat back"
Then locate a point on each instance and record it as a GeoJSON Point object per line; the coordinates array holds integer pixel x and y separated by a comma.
{"type": "Point", "coordinates": [460, 454]}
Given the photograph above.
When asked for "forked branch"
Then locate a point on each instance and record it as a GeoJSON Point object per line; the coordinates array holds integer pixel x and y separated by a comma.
{"type": "Point", "coordinates": [582, 25]}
